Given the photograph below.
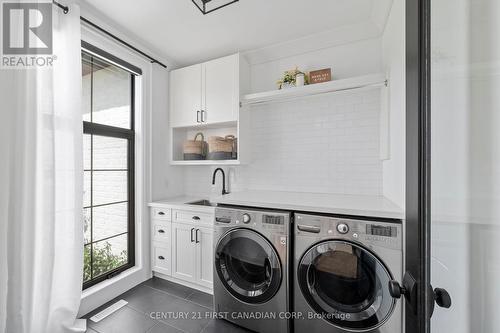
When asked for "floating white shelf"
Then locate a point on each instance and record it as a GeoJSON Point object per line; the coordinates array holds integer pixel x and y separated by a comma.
{"type": "Point", "coordinates": [360, 82]}
{"type": "Point", "coordinates": [206, 162]}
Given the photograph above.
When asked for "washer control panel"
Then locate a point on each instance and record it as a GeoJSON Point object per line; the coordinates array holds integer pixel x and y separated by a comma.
{"type": "Point", "coordinates": [369, 232]}
{"type": "Point", "coordinates": [272, 221]}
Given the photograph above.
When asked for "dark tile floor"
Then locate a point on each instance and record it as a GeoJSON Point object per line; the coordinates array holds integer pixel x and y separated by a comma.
{"type": "Point", "coordinates": [160, 306]}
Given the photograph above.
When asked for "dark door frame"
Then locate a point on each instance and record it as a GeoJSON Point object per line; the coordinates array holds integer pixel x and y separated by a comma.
{"type": "Point", "coordinates": [420, 302]}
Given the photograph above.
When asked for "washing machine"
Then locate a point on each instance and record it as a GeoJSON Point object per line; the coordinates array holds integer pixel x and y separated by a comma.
{"type": "Point", "coordinates": [251, 272]}
{"type": "Point", "coordinates": [342, 269]}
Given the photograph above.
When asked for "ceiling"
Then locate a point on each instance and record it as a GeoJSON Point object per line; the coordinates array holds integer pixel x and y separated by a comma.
{"type": "Point", "coordinates": [177, 30]}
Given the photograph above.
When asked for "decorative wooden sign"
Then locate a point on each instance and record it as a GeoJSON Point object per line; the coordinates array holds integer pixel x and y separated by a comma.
{"type": "Point", "coordinates": [322, 75]}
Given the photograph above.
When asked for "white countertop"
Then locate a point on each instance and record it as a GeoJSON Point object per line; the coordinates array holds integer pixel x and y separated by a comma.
{"type": "Point", "coordinates": [358, 205]}
{"type": "Point", "coordinates": [182, 202]}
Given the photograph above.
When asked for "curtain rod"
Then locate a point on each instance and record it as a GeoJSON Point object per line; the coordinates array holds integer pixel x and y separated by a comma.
{"type": "Point", "coordinates": [65, 10]}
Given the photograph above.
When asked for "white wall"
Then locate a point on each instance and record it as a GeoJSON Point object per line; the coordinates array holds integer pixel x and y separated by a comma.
{"type": "Point", "coordinates": [347, 60]}
{"type": "Point", "coordinates": [466, 163]}
{"type": "Point", "coordinates": [393, 50]}
{"type": "Point", "coordinates": [327, 144]}
{"type": "Point", "coordinates": [167, 181]}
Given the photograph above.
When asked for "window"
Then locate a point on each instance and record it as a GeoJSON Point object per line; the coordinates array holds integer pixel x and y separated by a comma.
{"type": "Point", "coordinates": [108, 125]}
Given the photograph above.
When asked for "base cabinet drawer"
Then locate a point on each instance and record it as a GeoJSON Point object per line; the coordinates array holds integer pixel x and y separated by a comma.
{"type": "Point", "coordinates": [162, 232]}
{"type": "Point", "coordinates": [186, 216]}
{"type": "Point", "coordinates": [162, 259]}
{"type": "Point", "coordinates": [161, 214]}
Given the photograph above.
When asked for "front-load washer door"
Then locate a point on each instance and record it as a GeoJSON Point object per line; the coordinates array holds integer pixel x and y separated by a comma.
{"type": "Point", "coordinates": [248, 266]}
{"type": "Point", "coordinates": [346, 285]}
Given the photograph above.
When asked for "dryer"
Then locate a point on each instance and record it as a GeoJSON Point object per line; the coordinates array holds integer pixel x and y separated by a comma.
{"type": "Point", "coordinates": [251, 287]}
{"type": "Point", "coordinates": [342, 269]}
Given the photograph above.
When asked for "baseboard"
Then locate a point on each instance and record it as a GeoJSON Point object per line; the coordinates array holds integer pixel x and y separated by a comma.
{"type": "Point", "coordinates": [184, 283]}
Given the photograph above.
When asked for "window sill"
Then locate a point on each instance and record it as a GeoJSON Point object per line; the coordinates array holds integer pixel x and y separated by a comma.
{"type": "Point", "coordinates": [105, 284]}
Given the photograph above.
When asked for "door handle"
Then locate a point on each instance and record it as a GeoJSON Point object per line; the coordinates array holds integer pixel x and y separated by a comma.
{"type": "Point", "coordinates": [309, 228]}
{"type": "Point", "coordinates": [192, 237]}
{"type": "Point", "coordinates": [438, 296]}
{"type": "Point", "coordinates": [197, 116]}
{"type": "Point", "coordinates": [202, 116]}
{"type": "Point", "coordinates": [197, 240]}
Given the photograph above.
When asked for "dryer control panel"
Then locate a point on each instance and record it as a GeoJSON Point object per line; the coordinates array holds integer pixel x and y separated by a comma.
{"type": "Point", "coordinates": [368, 232]}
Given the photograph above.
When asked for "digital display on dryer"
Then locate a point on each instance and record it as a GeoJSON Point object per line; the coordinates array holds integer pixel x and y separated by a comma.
{"type": "Point", "coordinates": [272, 219]}
{"type": "Point", "coordinates": [380, 230]}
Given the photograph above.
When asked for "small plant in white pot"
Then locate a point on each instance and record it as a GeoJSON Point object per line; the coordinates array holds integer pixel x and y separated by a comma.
{"type": "Point", "coordinates": [289, 79]}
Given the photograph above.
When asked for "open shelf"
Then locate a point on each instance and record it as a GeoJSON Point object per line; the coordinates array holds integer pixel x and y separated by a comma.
{"type": "Point", "coordinates": [207, 162]}
{"type": "Point", "coordinates": [360, 82]}
{"type": "Point", "coordinates": [181, 134]}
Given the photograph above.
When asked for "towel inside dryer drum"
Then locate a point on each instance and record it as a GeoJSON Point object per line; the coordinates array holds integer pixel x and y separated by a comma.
{"type": "Point", "coordinates": [341, 279]}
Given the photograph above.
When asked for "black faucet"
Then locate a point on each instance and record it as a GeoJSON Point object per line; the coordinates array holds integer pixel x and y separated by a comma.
{"type": "Point", "coordinates": [223, 180]}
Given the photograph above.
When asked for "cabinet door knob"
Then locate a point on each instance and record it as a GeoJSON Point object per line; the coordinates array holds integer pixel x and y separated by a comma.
{"type": "Point", "coordinates": [161, 257]}
{"type": "Point", "coordinates": [196, 218]}
{"type": "Point", "coordinates": [161, 231]}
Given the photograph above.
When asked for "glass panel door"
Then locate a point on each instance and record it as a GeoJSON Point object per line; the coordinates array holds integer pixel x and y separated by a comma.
{"type": "Point", "coordinates": [465, 177]}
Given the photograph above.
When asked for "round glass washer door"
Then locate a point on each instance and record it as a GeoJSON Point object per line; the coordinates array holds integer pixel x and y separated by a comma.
{"type": "Point", "coordinates": [248, 266]}
{"type": "Point", "coordinates": [347, 285]}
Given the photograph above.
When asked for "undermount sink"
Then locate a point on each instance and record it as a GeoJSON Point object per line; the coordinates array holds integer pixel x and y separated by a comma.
{"type": "Point", "coordinates": [203, 203]}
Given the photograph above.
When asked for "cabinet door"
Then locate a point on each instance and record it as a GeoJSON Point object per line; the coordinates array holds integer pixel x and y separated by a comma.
{"type": "Point", "coordinates": [185, 95]}
{"type": "Point", "coordinates": [205, 257]}
{"type": "Point", "coordinates": [221, 90]}
{"type": "Point", "coordinates": [183, 252]}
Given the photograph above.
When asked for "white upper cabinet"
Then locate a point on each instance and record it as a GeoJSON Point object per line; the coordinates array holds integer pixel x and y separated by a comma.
{"type": "Point", "coordinates": [207, 93]}
{"type": "Point", "coordinates": [221, 90]}
{"type": "Point", "coordinates": [185, 95]}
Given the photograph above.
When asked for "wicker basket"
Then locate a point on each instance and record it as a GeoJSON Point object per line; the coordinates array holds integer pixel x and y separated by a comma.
{"type": "Point", "coordinates": [222, 148]}
{"type": "Point", "coordinates": [195, 149]}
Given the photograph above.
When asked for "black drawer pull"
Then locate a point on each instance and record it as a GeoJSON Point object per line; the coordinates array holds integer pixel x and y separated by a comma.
{"type": "Point", "coordinates": [161, 257]}
{"type": "Point", "coordinates": [161, 213]}
{"type": "Point", "coordinates": [196, 218]}
{"type": "Point", "coordinates": [161, 231]}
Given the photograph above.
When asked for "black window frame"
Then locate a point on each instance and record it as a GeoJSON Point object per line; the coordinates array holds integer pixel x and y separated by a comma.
{"type": "Point", "coordinates": [91, 128]}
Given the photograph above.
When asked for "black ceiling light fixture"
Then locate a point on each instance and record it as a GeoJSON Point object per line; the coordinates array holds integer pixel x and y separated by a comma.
{"type": "Point", "coordinates": [208, 6]}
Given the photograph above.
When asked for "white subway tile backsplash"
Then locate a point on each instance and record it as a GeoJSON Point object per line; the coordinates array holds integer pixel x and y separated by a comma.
{"type": "Point", "coordinates": [326, 144]}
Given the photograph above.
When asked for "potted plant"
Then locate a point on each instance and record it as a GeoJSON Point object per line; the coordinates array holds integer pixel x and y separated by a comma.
{"type": "Point", "coordinates": [289, 79]}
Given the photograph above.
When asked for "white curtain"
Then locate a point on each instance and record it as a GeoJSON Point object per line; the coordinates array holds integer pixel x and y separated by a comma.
{"type": "Point", "coordinates": [41, 228]}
